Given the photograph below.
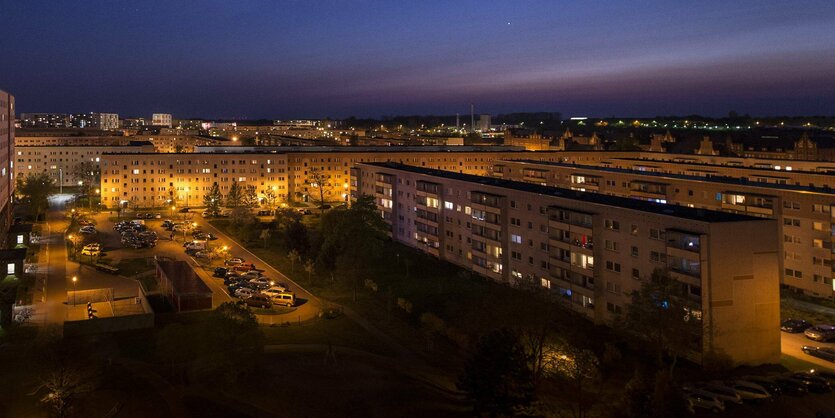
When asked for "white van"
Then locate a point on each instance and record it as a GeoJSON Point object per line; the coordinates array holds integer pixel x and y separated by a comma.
{"type": "Point", "coordinates": [196, 245]}
{"type": "Point", "coordinates": [286, 298]}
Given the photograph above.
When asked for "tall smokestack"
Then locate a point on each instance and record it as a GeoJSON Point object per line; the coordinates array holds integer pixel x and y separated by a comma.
{"type": "Point", "coordinates": [472, 117]}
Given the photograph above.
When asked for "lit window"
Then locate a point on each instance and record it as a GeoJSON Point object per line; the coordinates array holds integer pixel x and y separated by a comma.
{"type": "Point", "coordinates": [10, 268]}
{"type": "Point", "coordinates": [20, 239]}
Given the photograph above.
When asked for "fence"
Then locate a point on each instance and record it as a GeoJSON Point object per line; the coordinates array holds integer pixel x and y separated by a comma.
{"type": "Point", "coordinates": [130, 310]}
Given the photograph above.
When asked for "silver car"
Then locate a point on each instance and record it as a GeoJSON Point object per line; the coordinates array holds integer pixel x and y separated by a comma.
{"type": "Point", "coordinates": [699, 399]}
{"type": "Point", "coordinates": [821, 332]}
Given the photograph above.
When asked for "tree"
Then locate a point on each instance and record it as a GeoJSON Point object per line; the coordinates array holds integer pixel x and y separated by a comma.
{"type": "Point", "coordinates": [661, 316]}
{"type": "Point", "coordinates": [357, 234]}
{"type": "Point", "coordinates": [294, 256]}
{"type": "Point", "coordinates": [286, 216]}
{"type": "Point", "coordinates": [270, 197]}
{"type": "Point", "coordinates": [235, 195]}
{"type": "Point", "coordinates": [309, 267]}
{"type": "Point", "coordinates": [319, 181]}
{"type": "Point", "coordinates": [213, 200]}
{"type": "Point", "coordinates": [580, 367]}
{"type": "Point", "coordinates": [36, 188]}
{"type": "Point", "coordinates": [497, 379]}
{"type": "Point", "coordinates": [265, 236]}
{"type": "Point", "coordinates": [635, 398]}
{"type": "Point", "coordinates": [250, 196]}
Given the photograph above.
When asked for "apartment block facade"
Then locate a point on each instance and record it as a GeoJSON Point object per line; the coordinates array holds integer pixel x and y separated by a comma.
{"type": "Point", "coordinates": [805, 215]}
{"type": "Point", "coordinates": [151, 180]}
{"type": "Point", "coordinates": [589, 250]}
{"type": "Point", "coordinates": [62, 162]}
{"type": "Point", "coordinates": [7, 178]}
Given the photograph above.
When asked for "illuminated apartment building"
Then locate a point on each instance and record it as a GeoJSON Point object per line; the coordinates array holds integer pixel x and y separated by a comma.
{"type": "Point", "coordinates": [143, 180]}
{"type": "Point", "coordinates": [590, 250]}
{"type": "Point", "coordinates": [804, 213]}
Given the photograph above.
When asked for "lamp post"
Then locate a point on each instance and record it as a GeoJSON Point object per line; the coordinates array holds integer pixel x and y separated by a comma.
{"type": "Point", "coordinates": [90, 200]}
{"type": "Point", "coordinates": [74, 282]}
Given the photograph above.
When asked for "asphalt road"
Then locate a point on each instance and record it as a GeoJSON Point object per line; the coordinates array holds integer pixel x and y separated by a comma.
{"type": "Point", "coordinates": [791, 344]}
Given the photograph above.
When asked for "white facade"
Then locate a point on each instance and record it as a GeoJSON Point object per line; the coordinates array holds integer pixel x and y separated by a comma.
{"type": "Point", "coordinates": [161, 119]}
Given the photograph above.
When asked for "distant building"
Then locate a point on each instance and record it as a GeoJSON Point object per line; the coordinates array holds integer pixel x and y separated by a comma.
{"type": "Point", "coordinates": [161, 119]}
{"type": "Point", "coordinates": [7, 130]}
{"type": "Point", "coordinates": [483, 123]}
{"type": "Point", "coordinates": [92, 120]}
{"type": "Point", "coordinates": [45, 120]}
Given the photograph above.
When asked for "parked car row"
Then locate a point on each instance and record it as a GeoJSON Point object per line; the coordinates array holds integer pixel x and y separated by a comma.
{"type": "Point", "coordinates": [715, 396]}
{"type": "Point", "coordinates": [148, 216]}
{"type": "Point", "coordinates": [143, 239]}
{"type": "Point", "coordinates": [247, 283]}
{"type": "Point", "coordinates": [820, 332]}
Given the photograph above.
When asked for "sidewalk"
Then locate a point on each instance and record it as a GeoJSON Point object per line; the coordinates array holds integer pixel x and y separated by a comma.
{"type": "Point", "coordinates": [808, 306]}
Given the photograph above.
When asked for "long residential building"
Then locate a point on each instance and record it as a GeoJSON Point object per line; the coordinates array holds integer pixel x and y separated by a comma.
{"type": "Point", "coordinates": [62, 163]}
{"type": "Point", "coordinates": [7, 178]}
{"type": "Point", "coordinates": [590, 250]}
{"type": "Point", "coordinates": [805, 214]}
{"type": "Point", "coordinates": [291, 173]}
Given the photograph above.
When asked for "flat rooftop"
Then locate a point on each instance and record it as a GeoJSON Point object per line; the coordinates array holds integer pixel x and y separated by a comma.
{"type": "Point", "coordinates": [183, 278]}
{"type": "Point", "coordinates": [702, 215]}
{"type": "Point", "coordinates": [708, 179]}
{"type": "Point", "coordinates": [347, 150]}
{"type": "Point", "coordinates": [823, 164]}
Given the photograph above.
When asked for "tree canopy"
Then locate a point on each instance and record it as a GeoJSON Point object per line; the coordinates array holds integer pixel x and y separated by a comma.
{"type": "Point", "coordinates": [36, 188]}
{"type": "Point", "coordinates": [497, 379]}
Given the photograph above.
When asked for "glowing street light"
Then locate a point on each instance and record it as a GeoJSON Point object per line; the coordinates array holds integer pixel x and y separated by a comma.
{"type": "Point", "coordinates": [74, 282]}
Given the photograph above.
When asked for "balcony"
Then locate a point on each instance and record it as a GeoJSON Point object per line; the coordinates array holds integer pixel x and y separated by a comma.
{"type": "Point", "coordinates": [683, 240]}
{"type": "Point", "coordinates": [425, 187]}
{"type": "Point", "coordinates": [747, 203]}
{"type": "Point", "coordinates": [487, 199]}
{"type": "Point", "coordinates": [648, 188]}
{"type": "Point", "coordinates": [585, 182]}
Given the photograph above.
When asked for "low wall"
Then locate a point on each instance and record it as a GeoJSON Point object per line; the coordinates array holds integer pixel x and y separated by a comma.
{"type": "Point", "coordinates": [110, 324]}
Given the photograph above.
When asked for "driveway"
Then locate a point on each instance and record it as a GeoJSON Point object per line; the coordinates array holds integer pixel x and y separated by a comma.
{"type": "Point", "coordinates": [791, 343]}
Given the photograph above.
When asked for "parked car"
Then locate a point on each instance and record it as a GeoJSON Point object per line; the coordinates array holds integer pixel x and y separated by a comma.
{"type": "Point", "coordinates": [814, 383]}
{"type": "Point", "coordinates": [287, 299]}
{"type": "Point", "coordinates": [260, 280]}
{"type": "Point", "coordinates": [722, 391]}
{"type": "Point", "coordinates": [220, 272]}
{"type": "Point", "coordinates": [769, 385]}
{"type": "Point", "coordinates": [245, 292]}
{"type": "Point", "coordinates": [749, 391]}
{"type": "Point", "coordinates": [820, 332]}
{"type": "Point", "coordinates": [704, 400]}
{"type": "Point", "coordinates": [791, 386]}
{"type": "Point", "coordinates": [259, 301]}
{"type": "Point", "coordinates": [264, 212]}
{"type": "Point", "coordinates": [89, 229]}
{"type": "Point", "coordinates": [826, 353]}
{"type": "Point", "coordinates": [91, 252]}
{"type": "Point", "coordinates": [203, 254]}
{"type": "Point", "coordinates": [234, 261]}
{"type": "Point", "coordinates": [252, 274]}
{"type": "Point", "coordinates": [794, 325]}
{"type": "Point", "coordinates": [830, 376]}
{"type": "Point", "coordinates": [167, 223]}
{"type": "Point", "coordinates": [209, 236]}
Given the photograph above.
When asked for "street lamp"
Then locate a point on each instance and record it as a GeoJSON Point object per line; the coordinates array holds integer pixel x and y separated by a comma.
{"type": "Point", "coordinates": [74, 282]}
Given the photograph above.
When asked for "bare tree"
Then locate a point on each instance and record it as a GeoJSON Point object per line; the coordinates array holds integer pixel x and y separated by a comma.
{"type": "Point", "coordinates": [319, 181]}
{"type": "Point", "coordinates": [309, 268]}
{"type": "Point", "coordinates": [294, 256]}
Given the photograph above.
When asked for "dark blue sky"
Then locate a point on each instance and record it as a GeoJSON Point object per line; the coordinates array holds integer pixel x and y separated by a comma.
{"type": "Point", "coordinates": [308, 58]}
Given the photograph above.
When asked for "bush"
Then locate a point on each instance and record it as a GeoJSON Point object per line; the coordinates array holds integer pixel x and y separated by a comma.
{"type": "Point", "coordinates": [405, 305]}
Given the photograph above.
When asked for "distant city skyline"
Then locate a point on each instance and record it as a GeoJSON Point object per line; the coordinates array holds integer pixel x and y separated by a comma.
{"type": "Point", "coordinates": [259, 59]}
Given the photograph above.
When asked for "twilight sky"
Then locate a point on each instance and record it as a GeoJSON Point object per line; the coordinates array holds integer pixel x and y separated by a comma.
{"type": "Point", "coordinates": [311, 58]}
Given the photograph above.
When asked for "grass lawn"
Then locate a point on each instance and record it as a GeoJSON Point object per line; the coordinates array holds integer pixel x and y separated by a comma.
{"type": "Point", "coordinates": [132, 266]}
{"type": "Point", "coordinates": [339, 331]}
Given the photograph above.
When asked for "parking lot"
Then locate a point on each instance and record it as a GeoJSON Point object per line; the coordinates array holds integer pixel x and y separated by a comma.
{"type": "Point", "coordinates": [306, 305]}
